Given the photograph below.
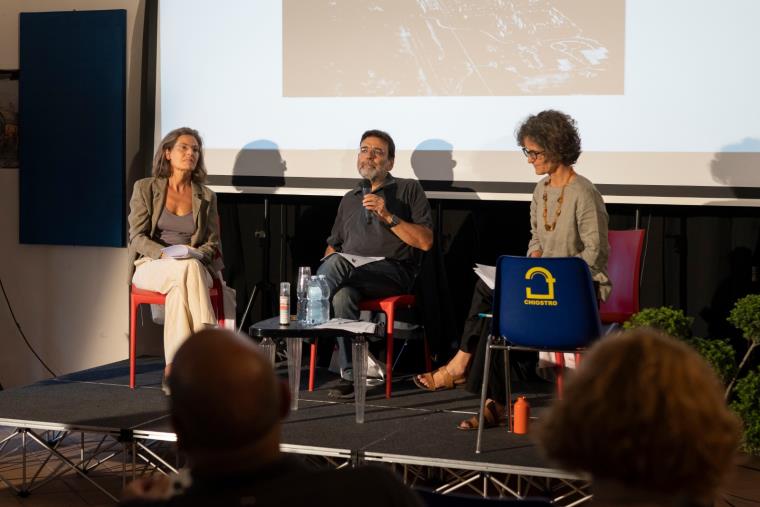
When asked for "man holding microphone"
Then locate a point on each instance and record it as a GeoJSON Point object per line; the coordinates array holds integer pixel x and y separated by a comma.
{"type": "Point", "coordinates": [384, 218]}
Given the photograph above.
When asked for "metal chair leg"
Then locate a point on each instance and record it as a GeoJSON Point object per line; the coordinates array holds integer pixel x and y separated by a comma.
{"type": "Point", "coordinates": [508, 383]}
{"type": "Point", "coordinates": [483, 393]}
{"type": "Point", "coordinates": [312, 363]}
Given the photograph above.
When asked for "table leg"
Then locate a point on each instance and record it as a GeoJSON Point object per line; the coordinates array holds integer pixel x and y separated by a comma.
{"type": "Point", "coordinates": [294, 369]}
{"type": "Point", "coordinates": [359, 358]}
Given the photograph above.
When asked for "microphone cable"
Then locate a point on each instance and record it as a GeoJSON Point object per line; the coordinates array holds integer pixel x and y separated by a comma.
{"type": "Point", "coordinates": [21, 332]}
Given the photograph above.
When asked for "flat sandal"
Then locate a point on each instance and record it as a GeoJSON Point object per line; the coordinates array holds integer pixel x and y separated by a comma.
{"type": "Point", "coordinates": [491, 418]}
{"type": "Point", "coordinates": [449, 382]}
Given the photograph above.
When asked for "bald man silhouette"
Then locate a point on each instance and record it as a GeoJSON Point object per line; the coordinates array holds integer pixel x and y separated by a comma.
{"type": "Point", "coordinates": [227, 408]}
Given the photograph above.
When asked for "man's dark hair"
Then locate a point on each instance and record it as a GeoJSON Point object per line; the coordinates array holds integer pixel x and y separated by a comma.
{"type": "Point", "coordinates": [385, 136]}
{"type": "Point", "coordinates": [555, 132]}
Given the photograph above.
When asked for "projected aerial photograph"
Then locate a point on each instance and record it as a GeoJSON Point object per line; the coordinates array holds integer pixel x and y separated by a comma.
{"type": "Point", "coordinates": [366, 48]}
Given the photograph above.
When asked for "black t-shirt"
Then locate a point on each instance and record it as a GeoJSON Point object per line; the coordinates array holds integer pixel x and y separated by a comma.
{"type": "Point", "coordinates": [289, 482]}
{"type": "Point", "coordinates": [352, 234]}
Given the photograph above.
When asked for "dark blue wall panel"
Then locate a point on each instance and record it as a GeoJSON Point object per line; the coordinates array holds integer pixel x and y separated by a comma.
{"type": "Point", "coordinates": [72, 135]}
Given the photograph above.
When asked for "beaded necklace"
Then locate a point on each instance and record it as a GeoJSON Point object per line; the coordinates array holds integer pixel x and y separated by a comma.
{"type": "Point", "coordinates": [550, 226]}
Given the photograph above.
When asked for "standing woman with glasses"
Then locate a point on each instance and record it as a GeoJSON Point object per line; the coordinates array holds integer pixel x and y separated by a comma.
{"type": "Point", "coordinates": [174, 207]}
{"type": "Point", "coordinates": [567, 219]}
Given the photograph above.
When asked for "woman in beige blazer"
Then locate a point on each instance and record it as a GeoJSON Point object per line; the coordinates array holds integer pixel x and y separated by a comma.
{"type": "Point", "coordinates": [175, 207]}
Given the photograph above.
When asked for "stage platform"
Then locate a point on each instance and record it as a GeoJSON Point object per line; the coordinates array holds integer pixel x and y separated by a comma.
{"type": "Point", "coordinates": [414, 430]}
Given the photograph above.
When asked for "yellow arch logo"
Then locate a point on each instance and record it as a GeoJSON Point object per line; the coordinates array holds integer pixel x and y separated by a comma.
{"type": "Point", "coordinates": [550, 280]}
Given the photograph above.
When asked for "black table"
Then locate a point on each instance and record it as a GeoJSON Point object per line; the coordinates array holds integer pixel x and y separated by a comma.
{"type": "Point", "coordinates": [294, 334]}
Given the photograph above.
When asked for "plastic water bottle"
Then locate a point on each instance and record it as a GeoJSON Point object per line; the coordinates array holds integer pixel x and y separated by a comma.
{"type": "Point", "coordinates": [314, 302]}
{"type": "Point", "coordinates": [302, 287]}
{"type": "Point", "coordinates": [325, 297]}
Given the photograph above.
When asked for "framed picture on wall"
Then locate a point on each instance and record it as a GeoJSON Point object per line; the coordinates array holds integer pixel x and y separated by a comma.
{"type": "Point", "coordinates": [8, 119]}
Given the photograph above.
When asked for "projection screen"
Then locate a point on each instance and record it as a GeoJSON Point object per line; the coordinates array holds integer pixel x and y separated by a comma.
{"type": "Point", "coordinates": [664, 92]}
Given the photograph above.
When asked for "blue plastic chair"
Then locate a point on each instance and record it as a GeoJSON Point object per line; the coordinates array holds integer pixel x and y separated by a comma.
{"type": "Point", "coordinates": [540, 304]}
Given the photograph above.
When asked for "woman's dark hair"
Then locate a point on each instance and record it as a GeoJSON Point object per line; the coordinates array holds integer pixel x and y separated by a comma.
{"type": "Point", "coordinates": [555, 132]}
{"type": "Point", "coordinates": [385, 136]}
{"type": "Point", "coordinates": [161, 167]}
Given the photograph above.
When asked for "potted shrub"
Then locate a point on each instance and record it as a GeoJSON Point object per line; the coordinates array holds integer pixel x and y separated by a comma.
{"type": "Point", "coordinates": [719, 353]}
{"type": "Point", "coordinates": [746, 317]}
{"type": "Point", "coordinates": [721, 356]}
{"type": "Point", "coordinates": [747, 406]}
{"type": "Point", "coordinates": [665, 318]}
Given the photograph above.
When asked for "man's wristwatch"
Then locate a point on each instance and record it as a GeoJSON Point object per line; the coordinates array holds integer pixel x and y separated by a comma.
{"type": "Point", "coordinates": [393, 223]}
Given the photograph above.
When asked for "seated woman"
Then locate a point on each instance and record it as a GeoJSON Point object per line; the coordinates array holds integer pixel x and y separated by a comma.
{"type": "Point", "coordinates": [567, 218]}
{"type": "Point", "coordinates": [644, 415]}
{"type": "Point", "coordinates": [174, 207]}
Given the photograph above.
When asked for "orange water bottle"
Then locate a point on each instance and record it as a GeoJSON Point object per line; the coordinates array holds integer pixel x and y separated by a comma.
{"type": "Point", "coordinates": [522, 415]}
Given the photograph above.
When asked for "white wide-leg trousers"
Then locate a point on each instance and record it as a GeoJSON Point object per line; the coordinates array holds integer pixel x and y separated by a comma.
{"type": "Point", "coordinates": [185, 282]}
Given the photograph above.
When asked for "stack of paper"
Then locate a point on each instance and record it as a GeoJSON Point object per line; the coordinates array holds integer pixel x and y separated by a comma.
{"type": "Point", "coordinates": [181, 252]}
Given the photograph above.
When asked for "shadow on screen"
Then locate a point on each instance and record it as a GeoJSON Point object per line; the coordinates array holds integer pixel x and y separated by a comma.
{"type": "Point", "coordinates": [737, 165]}
{"type": "Point", "coordinates": [259, 164]}
{"type": "Point", "coordinates": [433, 164]}
{"type": "Point", "coordinates": [246, 226]}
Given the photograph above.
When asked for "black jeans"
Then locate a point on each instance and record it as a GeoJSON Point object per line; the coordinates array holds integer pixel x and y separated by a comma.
{"type": "Point", "coordinates": [350, 285]}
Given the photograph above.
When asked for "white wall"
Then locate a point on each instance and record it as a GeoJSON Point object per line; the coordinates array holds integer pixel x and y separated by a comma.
{"type": "Point", "coordinates": [71, 302]}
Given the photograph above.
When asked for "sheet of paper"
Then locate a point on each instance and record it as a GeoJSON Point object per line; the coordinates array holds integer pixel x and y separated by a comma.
{"type": "Point", "coordinates": [355, 260]}
{"type": "Point", "coordinates": [352, 326]}
{"type": "Point", "coordinates": [487, 274]}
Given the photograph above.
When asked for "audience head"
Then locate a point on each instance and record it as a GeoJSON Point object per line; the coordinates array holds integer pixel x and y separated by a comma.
{"type": "Point", "coordinates": [225, 396]}
{"type": "Point", "coordinates": [162, 167]}
{"type": "Point", "coordinates": [646, 411]}
{"type": "Point", "coordinates": [555, 132]}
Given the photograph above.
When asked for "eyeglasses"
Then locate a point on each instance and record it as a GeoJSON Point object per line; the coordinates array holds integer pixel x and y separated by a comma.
{"type": "Point", "coordinates": [184, 148]}
{"type": "Point", "coordinates": [532, 154]}
{"type": "Point", "coordinates": [366, 150]}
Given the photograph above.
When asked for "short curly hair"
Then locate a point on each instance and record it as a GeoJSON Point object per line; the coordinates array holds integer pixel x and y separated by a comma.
{"type": "Point", "coordinates": [555, 132]}
{"type": "Point", "coordinates": [646, 410]}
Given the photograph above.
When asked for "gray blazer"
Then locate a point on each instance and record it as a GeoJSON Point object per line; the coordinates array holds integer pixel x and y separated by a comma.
{"type": "Point", "coordinates": [146, 206]}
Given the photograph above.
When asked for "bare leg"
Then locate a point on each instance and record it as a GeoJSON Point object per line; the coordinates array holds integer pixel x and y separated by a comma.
{"type": "Point", "coordinates": [165, 380]}
{"type": "Point", "coordinates": [475, 331]}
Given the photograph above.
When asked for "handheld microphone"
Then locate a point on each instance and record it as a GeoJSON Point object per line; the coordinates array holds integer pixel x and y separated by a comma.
{"type": "Point", "coordinates": [367, 189]}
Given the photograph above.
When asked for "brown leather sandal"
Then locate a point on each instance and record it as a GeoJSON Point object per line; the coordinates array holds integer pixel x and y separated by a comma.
{"type": "Point", "coordinates": [492, 417]}
{"type": "Point", "coordinates": [449, 382]}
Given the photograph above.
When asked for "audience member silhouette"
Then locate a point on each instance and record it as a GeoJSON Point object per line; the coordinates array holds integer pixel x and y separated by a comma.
{"type": "Point", "coordinates": [644, 415]}
{"type": "Point", "coordinates": [227, 408]}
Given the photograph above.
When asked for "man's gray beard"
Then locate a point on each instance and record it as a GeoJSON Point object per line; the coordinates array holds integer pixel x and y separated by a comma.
{"type": "Point", "coordinates": [369, 173]}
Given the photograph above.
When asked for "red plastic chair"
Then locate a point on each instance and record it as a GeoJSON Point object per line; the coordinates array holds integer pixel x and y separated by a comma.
{"type": "Point", "coordinates": [388, 306]}
{"type": "Point", "coordinates": [624, 270]}
{"type": "Point", "coordinates": [139, 297]}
